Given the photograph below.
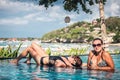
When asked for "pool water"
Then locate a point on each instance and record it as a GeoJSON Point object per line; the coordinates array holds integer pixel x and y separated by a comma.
{"type": "Point", "coordinates": [23, 71]}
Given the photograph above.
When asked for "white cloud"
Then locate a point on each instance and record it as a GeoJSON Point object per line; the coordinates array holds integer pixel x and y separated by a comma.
{"type": "Point", "coordinates": [30, 16]}
{"type": "Point", "coordinates": [18, 6]}
{"type": "Point", "coordinates": [44, 19]}
{"type": "Point", "coordinates": [51, 14]}
{"type": "Point", "coordinates": [112, 8]}
{"type": "Point", "coordinates": [13, 21]}
{"type": "Point", "coordinates": [115, 9]}
{"type": "Point", "coordinates": [31, 12]}
{"type": "Point", "coordinates": [12, 6]}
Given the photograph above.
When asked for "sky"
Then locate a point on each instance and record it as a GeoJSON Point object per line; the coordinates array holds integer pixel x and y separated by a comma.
{"type": "Point", "coordinates": [25, 18]}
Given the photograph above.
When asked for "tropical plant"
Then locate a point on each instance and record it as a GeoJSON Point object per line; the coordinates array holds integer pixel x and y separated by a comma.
{"type": "Point", "coordinates": [72, 51]}
{"type": "Point", "coordinates": [48, 51]}
{"type": "Point", "coordinates": [116, 51]}
{"type": "Point", "coordinates": [9, 52]}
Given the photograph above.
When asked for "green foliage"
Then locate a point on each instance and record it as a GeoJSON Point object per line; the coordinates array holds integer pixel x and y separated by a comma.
{"type": "Point", "coordinates": [116, 38]}
{"type": "Point", "coordinates": [77, 31]}
{"type": "Point", "coordinates": [72, 51]}
{"type": "Point", "coordinates": [50, 35]}
{"type": "Point", "coordinates": [9, 52]}
{"type": "Point", "coordinates": [48, 51]}
{"type": "Point", "coordinates": [76, 51]}
{"type": "Point", "coordinates": [74, 31]}
{"type": "Point", "coordinates": [72, 5]}
{"type": "Point", "coordinates": [116, 51]}
{"type": "Point", "coordinates": [113, 25]}
{"type": "Point", "coordinates": [90, 38]}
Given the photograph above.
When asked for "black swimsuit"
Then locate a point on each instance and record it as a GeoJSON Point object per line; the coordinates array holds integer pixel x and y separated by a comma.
{"type": "Point", "coordinates": [52, 60]}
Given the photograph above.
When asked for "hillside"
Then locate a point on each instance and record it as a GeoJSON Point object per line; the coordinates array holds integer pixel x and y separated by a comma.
{"type": "Point", "coordinates": [85, 32]}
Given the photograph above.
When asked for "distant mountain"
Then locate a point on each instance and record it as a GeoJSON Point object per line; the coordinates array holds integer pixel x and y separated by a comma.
{"type": "Point", "coordinates": [85, 31]}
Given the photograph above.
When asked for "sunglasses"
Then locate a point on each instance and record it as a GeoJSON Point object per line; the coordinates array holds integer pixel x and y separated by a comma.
{"type": "Point", "coordinates": [94, 45]}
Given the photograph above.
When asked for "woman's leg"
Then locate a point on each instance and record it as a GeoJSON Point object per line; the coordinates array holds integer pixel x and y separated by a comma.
{"type": "Point", "coordinates": [27, 51]}
{"type": "Point", "coordinates": [40, 52]}
{"type": "Point", "coordinates": [23, 54]}
{"type": "Point", "coordinates": [28, 59]}
{"type": "Point", "coordinates": [35, 51]}
{"type": "Point", "coordinates": [38, 49]}
{"type": "Point", "coordinates": [33, 54]}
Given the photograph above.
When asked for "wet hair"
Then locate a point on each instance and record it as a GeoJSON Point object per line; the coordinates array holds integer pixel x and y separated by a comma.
{"type": "Point", "coordinates": [78, 61]}
{"type": "Point", "coordinates": [99, 40]}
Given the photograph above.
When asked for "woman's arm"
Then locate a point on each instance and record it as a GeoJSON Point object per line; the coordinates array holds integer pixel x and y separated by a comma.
{"type": "Point", "coordinates": [88, 61]}
{"type": "Point", "coordinates": [109, 61]}
{"type": "Point", "coordinates": [68, 64]}
{"type": "Point", "coordinates": [60, 63]}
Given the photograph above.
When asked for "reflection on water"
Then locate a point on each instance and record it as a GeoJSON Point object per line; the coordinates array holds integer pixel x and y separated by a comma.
{"type": "Point", "coordinates": [100, 75]}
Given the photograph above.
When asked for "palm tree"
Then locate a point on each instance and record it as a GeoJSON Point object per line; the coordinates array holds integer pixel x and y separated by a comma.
{"type": "Point", "coordinates": [103, 26]}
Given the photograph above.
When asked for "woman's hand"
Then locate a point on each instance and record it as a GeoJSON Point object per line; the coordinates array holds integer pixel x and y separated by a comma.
{"type": "Point", "coordinates": [94, 67]}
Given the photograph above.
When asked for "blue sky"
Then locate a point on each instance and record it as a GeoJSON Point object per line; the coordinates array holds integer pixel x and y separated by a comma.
{"type": "Point", "coordinates": [26, 19]}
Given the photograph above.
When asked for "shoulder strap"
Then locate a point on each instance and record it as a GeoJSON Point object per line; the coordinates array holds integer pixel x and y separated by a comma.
{"type": "Point", "coordinates": [102, 55]}
{"type": "Point", "coordinates": [63, 60]}
{"type": "Point", "coordinates": [92, 54]}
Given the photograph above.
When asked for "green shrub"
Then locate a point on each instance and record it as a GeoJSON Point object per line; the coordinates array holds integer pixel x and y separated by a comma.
{"type": "Point", "coordinates": [9, 52]}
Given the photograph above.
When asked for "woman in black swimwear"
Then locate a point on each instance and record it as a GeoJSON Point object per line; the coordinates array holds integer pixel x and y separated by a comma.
{"type": "Point", "coordinates": [41, 58]}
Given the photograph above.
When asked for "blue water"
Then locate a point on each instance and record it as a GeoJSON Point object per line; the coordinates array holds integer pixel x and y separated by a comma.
{"type": "Point", "coordinates": [23, 71]}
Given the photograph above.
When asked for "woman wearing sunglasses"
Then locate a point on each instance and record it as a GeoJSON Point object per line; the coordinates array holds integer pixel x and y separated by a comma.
{"type": "Point", "coordinates": [99, 59]}
{"type": "Point", "coordinates": [41, 58]}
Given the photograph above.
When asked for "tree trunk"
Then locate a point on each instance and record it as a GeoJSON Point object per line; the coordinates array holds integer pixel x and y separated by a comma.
{"type": "Point", "coordinates": [103, 26]}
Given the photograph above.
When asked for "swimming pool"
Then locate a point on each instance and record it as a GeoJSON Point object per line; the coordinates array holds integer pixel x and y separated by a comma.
{"type": "Point", "coordinates": [23, 71]}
